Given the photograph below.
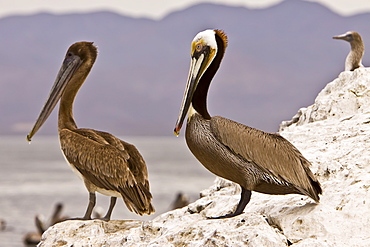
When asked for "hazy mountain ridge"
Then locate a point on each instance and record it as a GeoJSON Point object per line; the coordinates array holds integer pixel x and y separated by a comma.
{"type": "Point", "coordinates": [278, 59]}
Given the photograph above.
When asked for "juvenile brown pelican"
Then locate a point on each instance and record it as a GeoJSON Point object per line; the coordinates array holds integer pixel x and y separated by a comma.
{"type": "Point", "coordinates": [354, 58]}
{"type": "Point", "coordinates": [105, 163]}
{"type": "Point", "coordinates": [256, 160]}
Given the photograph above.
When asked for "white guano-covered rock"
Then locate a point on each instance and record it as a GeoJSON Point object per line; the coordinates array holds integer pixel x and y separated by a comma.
{"type": "Point", "coordinates": [347, 95]}
{"type": "Point", "coordinates": [333, 134]}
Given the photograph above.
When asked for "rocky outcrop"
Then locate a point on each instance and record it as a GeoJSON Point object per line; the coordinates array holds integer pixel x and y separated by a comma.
{"type": "Point", "coordinates": [347, 95]}
{"type": "Point", "coordinates": [333, 134]}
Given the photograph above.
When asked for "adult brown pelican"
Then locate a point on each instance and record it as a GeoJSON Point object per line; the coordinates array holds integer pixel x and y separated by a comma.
{"type": "Point", "coordinates": [105, 163]}
{"type": "Point", "coordinates": [256, 160]}
{"type": "Point", "coordinates": [354, 58]}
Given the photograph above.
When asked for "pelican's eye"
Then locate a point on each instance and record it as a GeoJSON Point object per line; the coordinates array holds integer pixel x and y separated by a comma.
{"type": "Point", "coordinates": [199, 47]}
{"type": "Point", "coordinates": [69, 57]}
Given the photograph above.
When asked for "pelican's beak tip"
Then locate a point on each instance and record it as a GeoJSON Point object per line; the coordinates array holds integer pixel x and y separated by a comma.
{"type": "Point", "coordinates": [176, 132]}
{"type": "Point", "coordinates": [28, 138]}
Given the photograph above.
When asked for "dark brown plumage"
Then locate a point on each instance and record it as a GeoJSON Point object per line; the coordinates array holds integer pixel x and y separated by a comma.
{"type": "Point", "coordinates": [106, 164]}
{"type": "Point", "coordinates": [256, 160]}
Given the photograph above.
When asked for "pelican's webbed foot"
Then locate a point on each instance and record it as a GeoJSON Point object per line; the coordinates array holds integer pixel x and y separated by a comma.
{"type": "Point", "coordinates": [225, 216]}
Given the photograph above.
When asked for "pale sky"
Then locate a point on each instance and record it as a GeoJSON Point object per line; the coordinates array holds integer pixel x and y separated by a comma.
{"type": "Point", "coordinates": [154, 8]}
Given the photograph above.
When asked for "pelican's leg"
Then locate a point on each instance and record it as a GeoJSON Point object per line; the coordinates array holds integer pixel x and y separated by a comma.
{"type": "Point", "coordinates": [90, 207]}
{"type": "Point", "coordinates": [244, 199]}
{"type": "Point", "coordinates": [110, 210]}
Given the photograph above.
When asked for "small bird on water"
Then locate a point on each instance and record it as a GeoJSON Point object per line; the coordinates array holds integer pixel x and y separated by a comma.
{"type": "Point", "coordinates": [256, 160]}
{"type": "Point", "coordinates": [105, 163]}
{"type": "Point", "coordinates": [354, 58]}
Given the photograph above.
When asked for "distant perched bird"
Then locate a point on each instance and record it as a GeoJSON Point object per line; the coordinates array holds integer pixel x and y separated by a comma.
{"type": "Point", "coordinates": [33, 238]}
{"type": "Point", "coordinates": [256, 160]}
{"type": "Point", "coordinates": [354, 58]}
{"type": "Point", "coordinates": [105, 163]}
{"type": "Point", "coordinates": [180, 201]}
{"type": "Point", "coordinates": [2, 225]}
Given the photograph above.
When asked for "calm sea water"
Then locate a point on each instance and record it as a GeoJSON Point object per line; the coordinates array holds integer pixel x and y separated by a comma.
{"type": "Point", "coordinates": [34, 177]}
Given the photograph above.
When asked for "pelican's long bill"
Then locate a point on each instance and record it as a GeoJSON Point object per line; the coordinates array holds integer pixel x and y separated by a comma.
{"type": "Point", "coordinates": [201, 57]}
{"type": "Point", "coordinates": [188, 94]}
{"type": "Point", "coordinates": [69, 66]}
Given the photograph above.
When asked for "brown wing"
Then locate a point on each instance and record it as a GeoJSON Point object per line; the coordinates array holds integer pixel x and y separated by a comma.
{"type": "Point", "coordinates": [270, 152]}
{"type": "Point", "coordinates": [110, 164]}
